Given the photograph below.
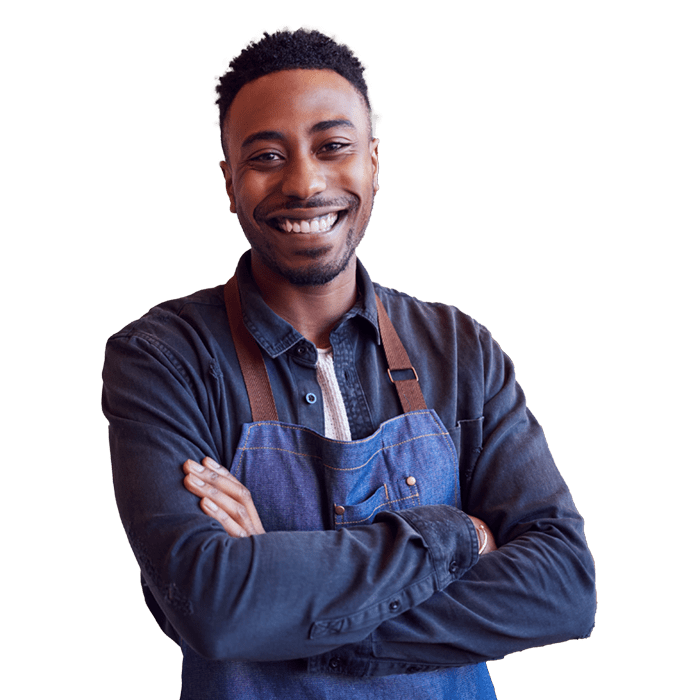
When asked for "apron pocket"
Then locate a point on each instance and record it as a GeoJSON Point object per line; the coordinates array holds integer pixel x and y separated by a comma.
{"type": "Point", "coordinates": [348, 515]}
{"type": "Point", "coordinates": [406, 492]}
{"type": "Point", "coordinates": [397, 496]}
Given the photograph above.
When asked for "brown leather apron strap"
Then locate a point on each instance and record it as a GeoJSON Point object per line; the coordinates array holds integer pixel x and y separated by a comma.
{"type": "Point", "coordinates": [410, 393]}
{"type": "Point", "coordinates": [257, 382]}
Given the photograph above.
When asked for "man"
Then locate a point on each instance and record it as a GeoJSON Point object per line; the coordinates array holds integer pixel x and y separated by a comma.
{"type": "Point", "coordinates": [368, 507]}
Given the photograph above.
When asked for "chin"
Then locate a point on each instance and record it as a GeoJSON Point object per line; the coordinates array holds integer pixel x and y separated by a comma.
{"type": "Point", "coordinates": [314, 275]}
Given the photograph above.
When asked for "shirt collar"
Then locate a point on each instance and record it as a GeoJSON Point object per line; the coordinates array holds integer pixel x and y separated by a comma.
{"type": "Point", "coordinates": [277, 336]}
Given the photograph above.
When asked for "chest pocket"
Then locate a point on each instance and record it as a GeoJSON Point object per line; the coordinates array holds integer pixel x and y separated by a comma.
{"type": "Point", "coordinates": [467, 437]}
{"type": "Point", "coordinates": [300, 480]}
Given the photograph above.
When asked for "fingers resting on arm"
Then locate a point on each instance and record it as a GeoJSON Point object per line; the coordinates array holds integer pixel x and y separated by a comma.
{"type": "Point", "coordinates": [223, 497]}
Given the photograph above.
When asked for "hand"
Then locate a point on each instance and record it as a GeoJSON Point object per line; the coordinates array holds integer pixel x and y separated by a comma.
{"type": "Point", "coordinates": [483, 531]}
{"type": "Point", "coordinates": [223, 497]}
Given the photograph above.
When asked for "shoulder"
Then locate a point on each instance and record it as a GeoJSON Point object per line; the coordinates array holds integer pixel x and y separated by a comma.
{"type": "Point", "coordinates": [200, 314]}
{"type": "Point", "coordinates": [437, 320]}
{"type": "Point", "coordinates": [444, 339]}
{"type": "Point", "coordinates": [188, 338]}
{"type": "Point", "coordinates": [459, 363]}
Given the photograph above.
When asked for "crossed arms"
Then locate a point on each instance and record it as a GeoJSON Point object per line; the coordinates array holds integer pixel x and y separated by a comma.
{"type": "Point", "coordinates": [225, 587]}
{"type": "Point", "coordinates": [228, 501]}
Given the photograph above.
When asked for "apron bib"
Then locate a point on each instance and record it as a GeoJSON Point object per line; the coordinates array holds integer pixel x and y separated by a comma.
{"type": "Point", "coordinates": [301, 480]}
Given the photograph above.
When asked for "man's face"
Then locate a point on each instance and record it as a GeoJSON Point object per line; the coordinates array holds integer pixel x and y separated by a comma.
{"type": "Point", "coordinates": [301, 172]}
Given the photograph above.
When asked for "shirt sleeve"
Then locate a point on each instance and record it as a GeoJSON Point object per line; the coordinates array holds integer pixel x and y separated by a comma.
{"type": "Point", "coordinates": [280, 595]}
{"type": "Point", "coordinates": [538, 588]}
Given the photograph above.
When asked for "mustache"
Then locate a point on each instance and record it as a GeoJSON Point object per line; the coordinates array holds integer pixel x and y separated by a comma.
{"type": "Point", "coordinates": [262, 211]}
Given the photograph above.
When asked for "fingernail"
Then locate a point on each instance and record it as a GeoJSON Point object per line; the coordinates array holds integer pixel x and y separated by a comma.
{"type": "Point", "coordinates": [197, 481]}
{"type": "Point", "coordinates": [211, 505]}
{"type": "Point", "coordinates": [197, 467]}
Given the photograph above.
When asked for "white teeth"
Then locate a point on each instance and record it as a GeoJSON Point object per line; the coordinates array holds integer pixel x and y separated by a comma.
{"type": "Point", "coordinates": [318, 224]}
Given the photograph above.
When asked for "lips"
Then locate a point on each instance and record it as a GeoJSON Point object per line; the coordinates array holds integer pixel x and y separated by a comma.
{"type": "Point", "coordinates": [317, 224]}
{"type": "Point", "coordinates": [311, 216]}
{"type": "Point", "coordinates": [322, 223]}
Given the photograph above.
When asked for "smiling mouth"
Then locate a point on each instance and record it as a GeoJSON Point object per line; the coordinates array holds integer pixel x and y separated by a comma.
{"type": "Point", "coordinates": [319, 224]}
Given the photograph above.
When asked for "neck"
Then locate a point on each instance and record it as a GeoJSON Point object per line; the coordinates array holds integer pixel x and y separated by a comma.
{"type": "Point", "coordinates": [314, 310]}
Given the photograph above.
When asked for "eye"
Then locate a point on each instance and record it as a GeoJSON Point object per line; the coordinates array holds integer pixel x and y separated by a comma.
{"type": "Point", "coordinates": [267, 157]}
{"type": "Point", "coordinates": [333, 147]}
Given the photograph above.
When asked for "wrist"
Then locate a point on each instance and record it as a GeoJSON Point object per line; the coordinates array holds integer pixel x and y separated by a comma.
{"type": "Point", "coordinates": [483, 535]}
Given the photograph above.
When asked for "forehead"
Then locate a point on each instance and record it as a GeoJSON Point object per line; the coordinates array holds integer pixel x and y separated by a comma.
{"type": "Point", "coordinates": [292, 101]}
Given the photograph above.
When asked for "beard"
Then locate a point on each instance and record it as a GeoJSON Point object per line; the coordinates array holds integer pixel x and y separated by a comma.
{"type": "Point", "coordinates": [316, 272]}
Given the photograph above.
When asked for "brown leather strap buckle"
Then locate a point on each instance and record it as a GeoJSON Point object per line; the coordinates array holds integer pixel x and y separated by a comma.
{"type": "Point", "coordinates": [405, 369]}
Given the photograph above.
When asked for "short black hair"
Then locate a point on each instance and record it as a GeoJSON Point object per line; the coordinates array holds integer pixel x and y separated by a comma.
{"type": "Point", "coordinates": [286, 50]}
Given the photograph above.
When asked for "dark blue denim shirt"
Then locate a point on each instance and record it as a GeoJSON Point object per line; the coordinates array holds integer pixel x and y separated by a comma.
{"type": "Point", "coordinates": [173, 391]}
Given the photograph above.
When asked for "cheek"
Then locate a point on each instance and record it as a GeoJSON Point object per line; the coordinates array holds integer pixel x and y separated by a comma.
{"type": "Point", "coordinates": [358, 176]}
{"type": "Point", "coordinates": [248, 192]}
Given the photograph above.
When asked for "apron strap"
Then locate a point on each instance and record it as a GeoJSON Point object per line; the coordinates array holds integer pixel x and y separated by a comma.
{"type": "Point", "coordinates": [410, 394]}
{"type": "Point", "coordinates": [257, 381]}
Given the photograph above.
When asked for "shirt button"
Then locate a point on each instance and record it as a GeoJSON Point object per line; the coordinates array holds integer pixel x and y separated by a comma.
{"type": "Point", "coordinates": [454, 567]}
{"type": "Point", "coordinates": [394, 605]}
{"type": "Point", "coordinates": [334, 662]}
{"type": "Point", "coordinates": [301, 349]}
{"type": "Point", "coordinates": [339, 510]}
{"type": "Point", "coordinates": [310, 398]}
{"type": "Point", "coordinates": [411, 480]}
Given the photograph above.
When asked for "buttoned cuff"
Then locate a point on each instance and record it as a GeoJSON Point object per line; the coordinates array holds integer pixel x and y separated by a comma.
{"type": "Point", "coordinates": [356, 660]}
{"type": "Point", "coordinates": [449, 535]}
{"type": "Point", "coordinates": [452, 543]}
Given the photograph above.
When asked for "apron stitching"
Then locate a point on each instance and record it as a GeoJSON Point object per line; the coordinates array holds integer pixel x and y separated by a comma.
{"type": "Point", "coordinates": [348, 469]}
{"type": "Point", "coordinates": [388, 503]}
{"type": "Point", "coordinates": [240, 456]}
{"type": "Point", "coordinates": [453, 453]}
{"type": "Point", "coordinates": [457, 504]}
{"type": "Point", "coordinates": [345, 442]}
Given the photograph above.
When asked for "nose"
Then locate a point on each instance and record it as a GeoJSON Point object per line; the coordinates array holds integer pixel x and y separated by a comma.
{"type": "Point", "coordinates": [303, 177]}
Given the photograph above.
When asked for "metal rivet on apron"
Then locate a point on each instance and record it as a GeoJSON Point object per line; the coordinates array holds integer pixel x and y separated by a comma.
{"type": "Point", "coordinates": [310, 398]}
{"type": "Point", "coordinates": [411, 480]}
{"type": "Point", "coordinates": [394, 605]}
{"type": "Point", "coordinates": [339, 510]}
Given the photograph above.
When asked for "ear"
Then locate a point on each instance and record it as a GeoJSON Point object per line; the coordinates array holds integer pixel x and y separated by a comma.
{"type": "Point", "coordinates": [374, 156]}
{"type": "Point", "coordinates": [228, 177]}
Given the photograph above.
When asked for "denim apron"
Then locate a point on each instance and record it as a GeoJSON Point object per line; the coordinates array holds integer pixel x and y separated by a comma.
{"type": "Point", "coordinates": [301, 480]}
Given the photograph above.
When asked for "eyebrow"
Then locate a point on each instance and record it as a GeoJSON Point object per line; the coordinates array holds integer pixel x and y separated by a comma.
{"type": "Point", "coordinates": [262, 136]}
{"type": "Point", "coordinates": [331, 124]}
{"type": "Point", "coordinates": [278, 136]}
